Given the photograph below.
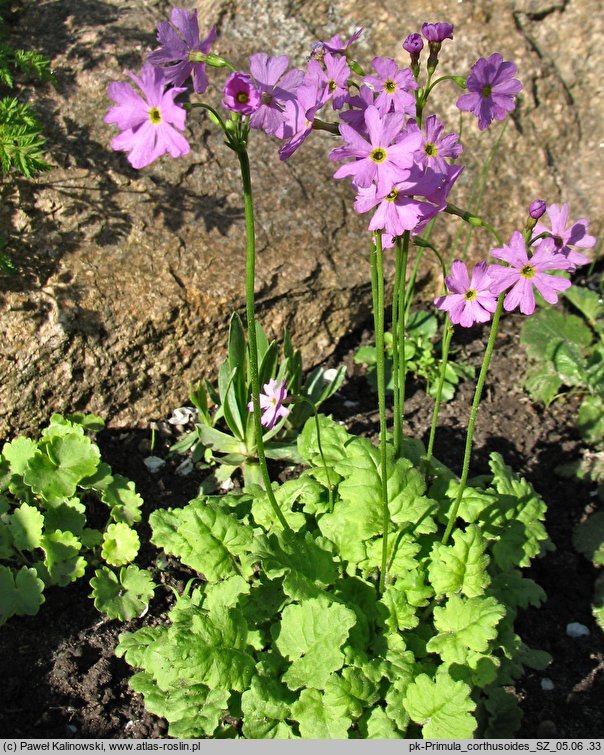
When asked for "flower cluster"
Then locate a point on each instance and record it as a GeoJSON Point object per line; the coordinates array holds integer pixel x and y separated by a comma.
{"type": "Point", "coordinates": [473, 298]}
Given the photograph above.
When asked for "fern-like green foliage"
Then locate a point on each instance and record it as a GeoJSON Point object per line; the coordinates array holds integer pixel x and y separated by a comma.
{"type": "Point", "coordinates": [285, 634]}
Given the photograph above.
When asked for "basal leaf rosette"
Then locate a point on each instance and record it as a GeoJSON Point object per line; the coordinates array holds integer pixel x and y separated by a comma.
{"type": "Point", "coordinates": [124, 595]}
{"type": "Point", "coordinates": [120, 544]}
{"type": "Point", "coordinates": [21, 592]}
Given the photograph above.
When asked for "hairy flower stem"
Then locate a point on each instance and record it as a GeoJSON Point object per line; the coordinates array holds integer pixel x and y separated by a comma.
{"type": "Point", "coordinates": [250, 266]}
{"type": "Point", "coordinates": [473, 220]}
{"type": "Point", "coordinates": [446, 341]}
{"type": "Point", "coordinates": [399, 362]}
{"type": "Point", "coordinates": [303, 399]}
{"type": "Point", "coordinates": [472, 421]}
{"type": "Point", "coordinates": [377, 285]}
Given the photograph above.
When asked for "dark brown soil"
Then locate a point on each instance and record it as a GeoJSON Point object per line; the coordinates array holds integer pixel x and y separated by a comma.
{"type": "Point", "coordinates": [60, 677]}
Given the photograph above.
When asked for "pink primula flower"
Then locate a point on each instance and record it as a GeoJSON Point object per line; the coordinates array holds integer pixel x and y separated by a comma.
{"type": "Point", "coordinates": [471, 299]}
{"type": "Point", "coordinates": [271, 403]}
{"type": "Point", "coordinates": [392, 86]}
{"type": "Point", "coordinates": [566, 235]}
{"type": "Point", "coordinates": [492, 89]}
{"type": "Point", "coordinates": [525, 272]}
{"type": "Point", "coordinates": [277, 86]}
{"type": "Point", "coordinates": [150, 124]}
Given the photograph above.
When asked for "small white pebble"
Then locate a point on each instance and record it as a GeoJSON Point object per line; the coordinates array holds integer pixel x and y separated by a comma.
{"type": "Point", "coordinates": [330, 375]}
{"type": "Point", "coordinates": [351, 404]}
{"type": "Point", "coordinates": [575, 630]}
{"type": "Point", "coordinates": [183, 415]}
{"type": "Point", "coordinates": [153, 463]}
{"type": "Point", "coordinates": [547, 684]}
{"type": "Point", "coordinates": [228, 484]}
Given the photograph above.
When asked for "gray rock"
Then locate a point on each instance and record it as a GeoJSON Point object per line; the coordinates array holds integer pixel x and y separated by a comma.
{"type": "Point", "coordinates": [128, 278]}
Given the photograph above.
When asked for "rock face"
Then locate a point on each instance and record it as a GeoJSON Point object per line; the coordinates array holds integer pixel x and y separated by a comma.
{"type": "Point", "coordinates": [128, 278]}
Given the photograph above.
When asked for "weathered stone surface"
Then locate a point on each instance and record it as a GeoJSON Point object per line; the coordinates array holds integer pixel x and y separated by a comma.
{"type": "Point", "coordinates": [129, 277]}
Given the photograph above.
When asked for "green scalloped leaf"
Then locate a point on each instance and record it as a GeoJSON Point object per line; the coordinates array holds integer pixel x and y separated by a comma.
{"type": "Point", "coordinates": [286, 496]}
{"type": "Point", "coordinates": [125, 503]}
{"type": "Point", "coordinates": [67, 516]}
{"type": "Point", "coordinates": [311, 636]}
{"type": "Point", "coordinates": [120, 544]}
{"type": "Point", "coordinates": [462, 567]}
{"type": "Point", "coordinates": [204, 537]}
{"type": "Point", "coordinates": [401, 614]}
{"type": "Point", "coordinates": [55, 472]}
{"type": "Point", "coordinates": [334, 439]}
{"type": "Point", "coordinates": [266, 707]}
{"type": "Point", "coordinates": [317, 719]}
{"type": "Point", "coordinates": [516, 591]}
{"type": "Point", "coordinates": [376, 724]}
{"type": "Point", "coordinates": [465, 624]}
{"type": "Point", "coordinates": [25, 525]}
{"type": "Point", "coordinates": [21, 592]}
{"type": "Point", "coordinates": [441, 706]}
{"type": "Point", "coordinates": [122, 597]}
{"type": "Point", "coordinates": [350, 691]}
{"type": "Point", "coordinates": [226, 593]}
{"type": "Point", "coordinates": [505, 714]}
{"type": "Point", "coordinates": [62, 561]}
{"type": "Point", "coordinates": [18, 453]}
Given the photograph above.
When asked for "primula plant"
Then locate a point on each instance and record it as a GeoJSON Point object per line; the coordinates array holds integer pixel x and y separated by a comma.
{"type": "Point", "coordinates": [51, 490]}
{"type": "Point", "coordinates": [374, 594]}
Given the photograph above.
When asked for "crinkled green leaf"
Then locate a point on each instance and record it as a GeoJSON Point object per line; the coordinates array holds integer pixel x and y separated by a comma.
{"type": "Point", "coordinates": [286, 496]}
{"type": "Point", "coordinates": [125, 503]}
{"type": "Point", "coordinates": [395, 696]}
{"type": "Point", "coordinates": [441, 706]}
{"type": "Point", "coordinates": [92, 423]}
{"type": "Point", "coordinates": [99, 481]}
{"type": "Point", "coordinates": [402, 553]}
{"type": "Point", "coordinates": [21, 592]}
{"type": "Point", "coordinates": [317, 720]}
{"type": "Point", "coordinates": [350, 691]}
{"type": "Point", "coordinates": [334, 439]}
{"type": "Point", "coordinates": [311, 635]}
{"type": "Point", "coordinates": [376, 724]}
{"type": "Point", "coordinates": [305, 562]}
{"type": "Point", "coordinates": [516, 591]}
{"type": "Point", "coordinates": [226, 593]}
{"type": "Point", "coordinates": [26, 524]}
{"type": "Point", "coordinates": [120, 544]}
{"type": "Point", "coordinates": [473, 501]}
{"type": "Point", "coordinates": [543, 333]}
{"type": "Point", "coordinates": [192, 711]}
{"type": "Point", "coordinates": [122, 597]}
{"type": "Point", "coordinates": [139, 647]}
{"type": "Point", "coordinates": [62, 561]}
{"type": "Point", "coordinates": [543, 382]}
{"type": "Point", "coordinates": [505, 715]}
{"type": "Point", "coordinates": [18, 454]}
{"type": "Point", "coordinates": [203, 536]}
{"type": "Point", "coordinates": [465, 624]}
{"type": "Point", "coordinates": [462, 567]}
{"type": "Point", "coordinates": [401, 614]}
{"type": "Point", "coordinates": [266, 707]}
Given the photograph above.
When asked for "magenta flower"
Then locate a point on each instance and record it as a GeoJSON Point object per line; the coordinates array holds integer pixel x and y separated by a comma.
{"type": "Point", "coordinates": [241, 94]}
{"type": "Point", "coordinates": [299, 116]}
{"type": "Point", "coordinates": [434, 147]}
{"type": "Point", "coordinates": [492, 90]}
{"type": "Point", "coordinates": [392, 87]}
{"type": "Point", "coordinates": [334, 78]}
{"type": "Point", "coordinates": [358, 103]}
{"type": "Point", "coordinates": [181, 45]}
{"type": "Point", "coordinates": [524, 273]}
{"type": "Point", "coordinates": [271, 403]}
{"type": "Point", "coordinates": [437, 33]}
{"type": "Point", "coordinates": [148, 124]}
{"type": "Point", "coordinates": [388, 152]}
{"type": "Point", "coordinates": [413, 44]}
{"type": "Point", "coordinates": [335, 44]}
{"type": "Point", "coordinates": [565, 236]}
{"type": "Point", "coordinates": [471, 299]}
{"type": "Point", "coordinates": [276, 88]}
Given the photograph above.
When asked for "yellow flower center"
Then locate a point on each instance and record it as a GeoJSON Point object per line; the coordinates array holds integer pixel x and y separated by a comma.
{"type": "Point", "coordinates": [378, 155]}
{"type": "Point", "coordinates": [528, 271]}
{"type": "Point", "coordinates": [470, 295]}
{"type": "Point", "coordinates": [154, 116]}
{"type": "Point", "coordinates": [392, 196]}
{"type": "Point", "coordinates": [390, 86]}
{"type": "Point", "coordinates": [332, 86]}
{"type": "Point", "coordinates": [242, 97]}
{"type": "Point", "coordinates": [431, 150]}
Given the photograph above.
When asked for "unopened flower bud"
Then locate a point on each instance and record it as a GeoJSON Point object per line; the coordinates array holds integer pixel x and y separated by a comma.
{"type": "Point", "coordinates": [536, 208]}
{"type": "Point", "coordinates": [414, 44]}
{"type": "Point", "coordinates": [436, 34]}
